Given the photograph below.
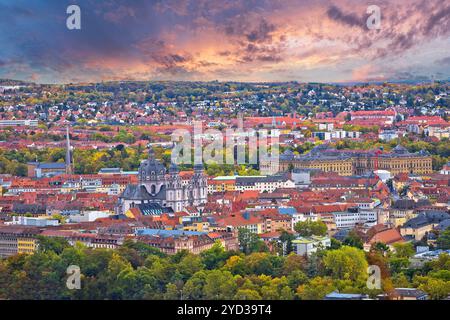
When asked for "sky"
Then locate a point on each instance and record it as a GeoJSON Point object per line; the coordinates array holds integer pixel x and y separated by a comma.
{"type": "Point", "coordinates": [225, 40]}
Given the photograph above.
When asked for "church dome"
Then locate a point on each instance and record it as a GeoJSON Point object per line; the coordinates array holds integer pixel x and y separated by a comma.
{"type": "Point", "coordinates": [151, 167]}
{"type": "Point", "coordinates": [400, 149]}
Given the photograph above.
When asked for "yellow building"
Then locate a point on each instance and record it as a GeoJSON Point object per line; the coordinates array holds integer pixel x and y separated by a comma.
{"type": "Point", "coordinates": [27, 245]}
{"type": "Point", "coordinates": [201, 226]}
{"type": "Point", "coordinates": [17, 239]}
{"type": "Point", "coordinates": [347, 163]}
{"type": "Point", "coordinates": [416, 232]}
{"type": "Point", "coordinates": [222, 184]}
{"type": "Point", "coordinates": [344, 167]}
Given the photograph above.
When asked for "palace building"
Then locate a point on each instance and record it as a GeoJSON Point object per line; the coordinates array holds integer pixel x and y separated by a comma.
{"type": "Point", "coordinates": [168, 189]}
{"type": "Point", "coordinates": [348, 162]}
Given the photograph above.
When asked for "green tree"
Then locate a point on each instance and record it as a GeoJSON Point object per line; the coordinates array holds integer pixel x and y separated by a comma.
{"type": "Point", "coordinates": [215, 257]}
{"type": "Point", "coordinates": [55, 244]}
{"type": "Point", "coordinates": [380, 247]}
{"type": "Point", "coordinates": [397, 265]}
{"type": "Point", "coordinates": [193, 288]}
{"type": "Point", "coordinates": [219, 285]}
{"type": "Point", "coordinates": [117, 268]}
{"type": "Point", "coordinates": [189, 265]}
{"type": "Point", "coordinates": [316, 289]}
{"type": "Point", "coordinates": [143, 249]}
{"type": "Point", "coordinates": [297, 278]}
{"type": "Point", "coordinates": [404, 250]}
{"type": "Point", "coordinates": [309, 228]}
{"type": "Point", "coordinates": [443, 241]}
{"type": "Point", "coordinates": [172, 292]}
{"type": "Point", "coordinates": [335, 244]}
{"type": "Point", "coordinates": [292, 263]}
{"type": "Point", "coordinates": [353, 240]}
{"type": "Point", "coordinates": [346, 263]}
{"type": "Point", "coordinates": [437, 289]}
{"type": "Point", "coordinates": [247, 294]}
{"type": "Point", "coordinates": [401, 281]}
{"type": "Point", "coordinates": [286, 239]}
{"type": "Point", "coordinates": [236, 265]}
{"type": "Point", "coordinates": [442, 263]}
{"type": "Point", "coordinates": [258, 263]}
{"type": "Point", "coordinates": [249, 241]}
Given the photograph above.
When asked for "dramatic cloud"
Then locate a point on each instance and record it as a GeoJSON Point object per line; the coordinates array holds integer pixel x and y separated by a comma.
{"type": "Point", "coordinates": [351, 19]}
{"type": "Point", "coordinates": [244, 40]}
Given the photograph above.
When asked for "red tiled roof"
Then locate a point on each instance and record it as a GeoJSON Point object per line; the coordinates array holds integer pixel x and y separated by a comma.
{"type": "Point", "coordinates": [238, 220]}
{"type": "Point", "coordinates": [388, 236]}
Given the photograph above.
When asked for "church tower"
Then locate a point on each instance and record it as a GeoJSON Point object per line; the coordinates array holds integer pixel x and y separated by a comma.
{"type": "Point", "coordinates": [199, 186]}
{"type": "Point", "coordinates": [69, 168]}
{"type": "Point", "coordinates": [175, 193]}
{"type": "Point", "coordinates": [152, 174]}
{"type": "Point", "coordinates": [166, 188]}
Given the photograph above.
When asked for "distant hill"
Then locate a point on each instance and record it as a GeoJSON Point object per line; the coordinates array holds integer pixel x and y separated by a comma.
{"type": "Point", "coordinates": [9, 82]}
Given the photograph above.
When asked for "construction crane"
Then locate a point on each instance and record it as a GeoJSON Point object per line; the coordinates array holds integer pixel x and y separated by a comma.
{"type": "Point", "coordinates": [377, 153]}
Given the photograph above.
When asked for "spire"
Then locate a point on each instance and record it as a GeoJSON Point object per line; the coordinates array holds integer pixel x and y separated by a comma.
{"type": "Point", "coordinates": [151, 153]}
{"type": "Point", "coordinates": [68, 153]}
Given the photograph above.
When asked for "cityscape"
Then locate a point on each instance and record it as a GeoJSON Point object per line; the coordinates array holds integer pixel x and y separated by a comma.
{"type": "Point", "coordinates": [181, 168]}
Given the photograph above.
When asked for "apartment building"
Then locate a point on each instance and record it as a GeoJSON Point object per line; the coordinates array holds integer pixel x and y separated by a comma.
{"type": "Point", "coordinates": [350, 218]}
{"type": "Point", "coordinates": [18, 123]}
{"type": "Point", "coordinates": [17, 239]}
{"type": "Point", "coordinates": [264, 183]}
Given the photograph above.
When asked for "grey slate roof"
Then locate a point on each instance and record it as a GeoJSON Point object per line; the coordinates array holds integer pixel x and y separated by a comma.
{"type": "Point", "coordinates": [22, 208]}
{"type": "Point", "coordinates": [151, 209]}
{"type": "Point", "coordinates": [152, 167]}
{"type": "Point", "coordinates": [426, 218]}
{"type": "Point", "coordinates": [110, 170]}
{"type": "Point", "coordinates": [444, 225]}
{"type": "Point", "coordinates": [139, 192]}
{"type": "Point", "coordinates": [408, 204]}
{"type": "Point", "coordinates": [341, 234]}
{"type": "Point", "coordinates": [410, 292]}
{"type": "Point", "coordinates": [54, 165]}
{"type": "Point", "coordinates": [345, 296]}
{"type": "Point", "coordinates": [323, 152]}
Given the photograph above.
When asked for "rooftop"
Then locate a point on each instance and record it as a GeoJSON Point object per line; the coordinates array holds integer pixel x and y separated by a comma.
{"type": "Point", "coordinates": [167, 233]}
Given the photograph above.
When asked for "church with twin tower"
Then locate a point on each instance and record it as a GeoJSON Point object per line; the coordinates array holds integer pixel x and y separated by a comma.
{"type": "Point", "coordinates": [166, 188]}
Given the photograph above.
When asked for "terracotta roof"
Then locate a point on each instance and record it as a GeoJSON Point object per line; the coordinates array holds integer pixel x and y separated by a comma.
{"type": "Point", "coordinates": [238, 220]}
{"type": "Point", "coordinates": [387, 236]}
{"type": "Point", "coordinates": [270, 235]}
